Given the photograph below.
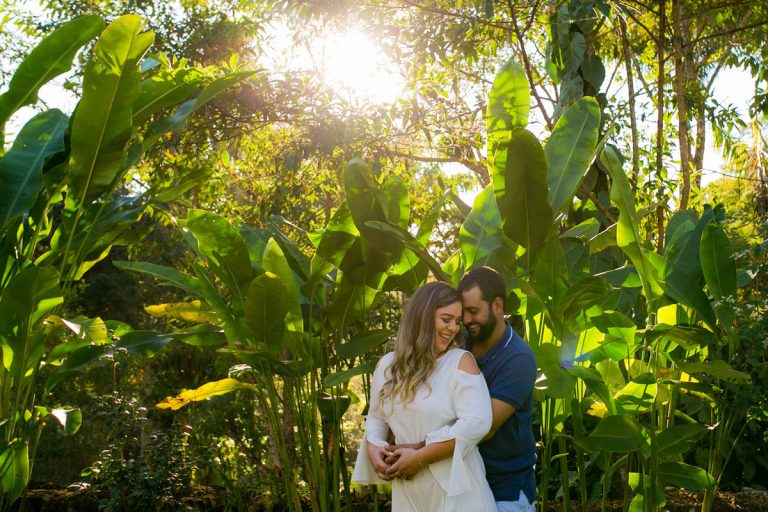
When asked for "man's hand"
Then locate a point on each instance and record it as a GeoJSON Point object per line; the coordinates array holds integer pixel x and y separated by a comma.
{"type": "Point", "coordinates": [407, 464]}
{"type": "Point", "coordinates": [378, 456]}
{"type": "Point", "coordinates": [394, 447]}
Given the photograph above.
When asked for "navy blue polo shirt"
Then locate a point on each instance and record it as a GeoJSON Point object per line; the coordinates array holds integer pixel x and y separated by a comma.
{"type": "Point", "coordinates": [509, 368]}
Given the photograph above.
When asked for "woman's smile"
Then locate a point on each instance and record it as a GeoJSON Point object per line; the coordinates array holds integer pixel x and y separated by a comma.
{"type": "Point", "coordinates": [447, 325]}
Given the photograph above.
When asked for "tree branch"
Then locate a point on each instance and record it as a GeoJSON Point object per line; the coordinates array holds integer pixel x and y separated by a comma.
{"type": "Point", "coordinates": [731, 31]}
{"type": "Point", "coordinates": [476, 167]}
{"type": "Point", "coordinates": [527, 66]}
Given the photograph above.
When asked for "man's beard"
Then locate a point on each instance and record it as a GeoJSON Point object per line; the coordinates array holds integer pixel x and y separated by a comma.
{"type": "Point", "coordinates": [485, 331]}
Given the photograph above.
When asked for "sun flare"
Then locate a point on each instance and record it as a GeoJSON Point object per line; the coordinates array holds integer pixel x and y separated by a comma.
{"type": "Point", "coordinates": [355, 63]}
{"type": "Point", "coordinates": [349, 61]}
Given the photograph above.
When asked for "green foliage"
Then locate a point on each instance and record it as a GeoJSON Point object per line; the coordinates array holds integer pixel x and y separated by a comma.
{"type": "Point", "coordinates": [49, 59]}
{"type": "Point", "coordinates": [65, 213]}
{"type": "Point", "coordinates": [139, 468]}
{"type": "Point", "coordinates": [640, 347]}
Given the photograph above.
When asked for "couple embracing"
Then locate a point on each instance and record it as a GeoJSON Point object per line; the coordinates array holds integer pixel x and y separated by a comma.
{"type": "Point", "coordinates": [461, 418]}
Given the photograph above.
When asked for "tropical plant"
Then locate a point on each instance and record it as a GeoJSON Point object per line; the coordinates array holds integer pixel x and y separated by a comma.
{"type": "Point", "coordinates": [634, 337]}
{"type": "Point", "coordinates": [629, 341]}
{"type": "Point", "coordinates": [297, 330]}
{"type": "Point", "coordinates": [64, 208]}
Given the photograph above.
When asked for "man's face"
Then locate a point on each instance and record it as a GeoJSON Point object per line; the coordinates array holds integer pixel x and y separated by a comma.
{"type": "Point", "coordinates": [478, 317]}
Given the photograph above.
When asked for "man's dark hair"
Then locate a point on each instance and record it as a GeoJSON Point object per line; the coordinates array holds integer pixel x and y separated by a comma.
{"type": "Point", "coordinates": [488, 280]}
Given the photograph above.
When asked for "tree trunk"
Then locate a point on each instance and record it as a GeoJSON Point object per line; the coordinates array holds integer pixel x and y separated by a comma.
{"type": "Point", "coordinates": [660, 128]}
{"type": "Point", "coordinates": [681, 38]}
{"type": "Point", "coordinates": [631, 102]}
{"type": "Point", "coordinates": [701, 141]}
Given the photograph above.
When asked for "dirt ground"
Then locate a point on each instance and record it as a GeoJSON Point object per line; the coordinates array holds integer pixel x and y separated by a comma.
{"type": "Point", "coordinates": [208, 500]}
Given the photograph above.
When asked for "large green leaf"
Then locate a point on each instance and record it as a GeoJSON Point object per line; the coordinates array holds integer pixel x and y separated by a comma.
{"type": "Point", "coordinates": [687, 336]}
{"type": "Point", "coordinates": [362, 342]}
{"type": "Point", "coordinates": [364, 265]}
{"type": "Point", "coordinates": [686, 476]}
{"type": "Point", "coordinates": [481, 232]}
{"type": "Point", "coordinates": [686, 290]}
{"type": "Point", "coordinates": [569, 151]}
{"type": "Point", "coordinates": [14, 469]}
{"type": "Point", "coordinates": [21, 168]}
{"type": "Point", "coordinates": [556, 382]}
{"type": "Point", "coordinates": [275, 262]}
{"type": "Point", "coordinates": [143, 343]}
{"type": "Point", "coordinates": [688, 256]}
{"type": "Point", "coordinates": [614, 434]}
{"type": "Point", "coordinates": [677, 233]}
{"type": "Point", "coordinates": [174, 277]}
{"type": "Point", "coordinates": [520, 184]}
{"type": "Point", "coordinates": [584, 231]}
{"type": "Point", "coordinates": [297, 260]}
{"type": "Point", "coordinates": [203, 335]}
{"type": "Point", "coordinates": [87, 233]}
{"type": "Point", "coordinates": [102, 124]}
{"type": "Point", "coordinates": [582, 295]}
{"type": "Point", "coordinates": [265, 308]}
{"type": "Point", "coordinates": [596, 385]}
{"type": "Point", "coordinates": [508, 105]}
{"type": "Point", "coordinates": [678, 439]}
{"type": "Point", "coordinates": [165, 89]}
{"type": "Point", "coordinates": [337, 238]}
{"type": "Point", "coordinates": [409, 242]}
{"type": "Point", "coordinates": [719, 369]}
{"type": "Point", "coordinates": [550, 277]}
{"type": "Point", "coordinates": [719, 268]}
{"type": "Point", "coordinates": [628, 230]}
{"type": "Point", "coordinates": [337, 378]}
{"type": "Point", "coordinates": [617, 328]}
{"type": "Point", "coordinates": [408, 273]}
{"type": "Point", "coordinates": [223, 247]}
{"type": "Point", "coordinates": [352, 301]}
{"type": "Point", "coordinates": [28, 298]}
{"type": "Point", "coordinates": [93, 331]}
{"type": "Point", "coordinates": [398, 202]}
{"type": "Point", "coordinates": [368, 203]}
{"type": "Point", "coordinates": [50, 58]}
{"type": "Point", "coordinates": [638, 395]}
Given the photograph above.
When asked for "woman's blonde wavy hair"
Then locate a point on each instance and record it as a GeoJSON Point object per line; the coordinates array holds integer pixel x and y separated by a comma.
{"type": "Point", "coordinates": [415, 344]}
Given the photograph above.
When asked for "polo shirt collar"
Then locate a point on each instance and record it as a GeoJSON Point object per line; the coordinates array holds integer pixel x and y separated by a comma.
{"type": "Point", "coordinates": [499, 347]}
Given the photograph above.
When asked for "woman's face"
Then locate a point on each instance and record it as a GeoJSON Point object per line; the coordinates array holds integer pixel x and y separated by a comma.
{"type": "Point", "coordinates": [447, 325]}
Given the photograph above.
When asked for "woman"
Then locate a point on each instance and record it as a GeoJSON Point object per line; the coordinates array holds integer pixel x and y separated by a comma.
{"type": "Point", "coordinates": [428, 389]}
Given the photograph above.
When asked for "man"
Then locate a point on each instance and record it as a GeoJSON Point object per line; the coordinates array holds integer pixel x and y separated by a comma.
{"type": "Point", "coordinates": [509, 367]}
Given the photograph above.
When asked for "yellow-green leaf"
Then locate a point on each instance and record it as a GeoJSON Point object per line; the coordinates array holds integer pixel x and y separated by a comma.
{"type": "Point", "coordinates": [204, 392]}
{"type": "Point", "coordinates": [194, 311]}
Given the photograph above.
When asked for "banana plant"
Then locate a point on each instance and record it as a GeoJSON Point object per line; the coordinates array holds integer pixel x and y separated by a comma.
{"type": "Point", "coordinates": [61, 212]}
{"type": "Point", "coordinates": [301, 327]}
{"type": "Point", "coordinates": [621, 332]}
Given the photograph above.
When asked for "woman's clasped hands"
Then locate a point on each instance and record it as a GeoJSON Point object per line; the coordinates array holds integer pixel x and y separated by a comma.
{"type": "Point", "coordinates": [392, 462]}
{"type": "Point", "coordinates": [404, 463]}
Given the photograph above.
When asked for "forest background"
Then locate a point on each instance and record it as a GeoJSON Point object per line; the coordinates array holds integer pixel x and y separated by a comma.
{"type": "Point", "coordinates": [255, 173]}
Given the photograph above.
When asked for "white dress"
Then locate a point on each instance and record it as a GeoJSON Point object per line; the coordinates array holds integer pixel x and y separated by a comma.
{"type": "Point", "coordinates": [458, 407]}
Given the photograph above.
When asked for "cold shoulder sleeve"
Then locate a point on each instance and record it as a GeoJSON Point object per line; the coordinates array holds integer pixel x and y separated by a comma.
{"type": "Point", "coordinates": [472, 404]}
{"type": "Point", "coordinates": [376, 429]}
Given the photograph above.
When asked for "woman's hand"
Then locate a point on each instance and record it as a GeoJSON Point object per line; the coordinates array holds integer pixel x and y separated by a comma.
{"type": "Point", "coordinates": [393, 448]}
{"type": "Point", "coordinates": [378, 457]}
{"type": "Point", "coordinates": [408, 463]}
